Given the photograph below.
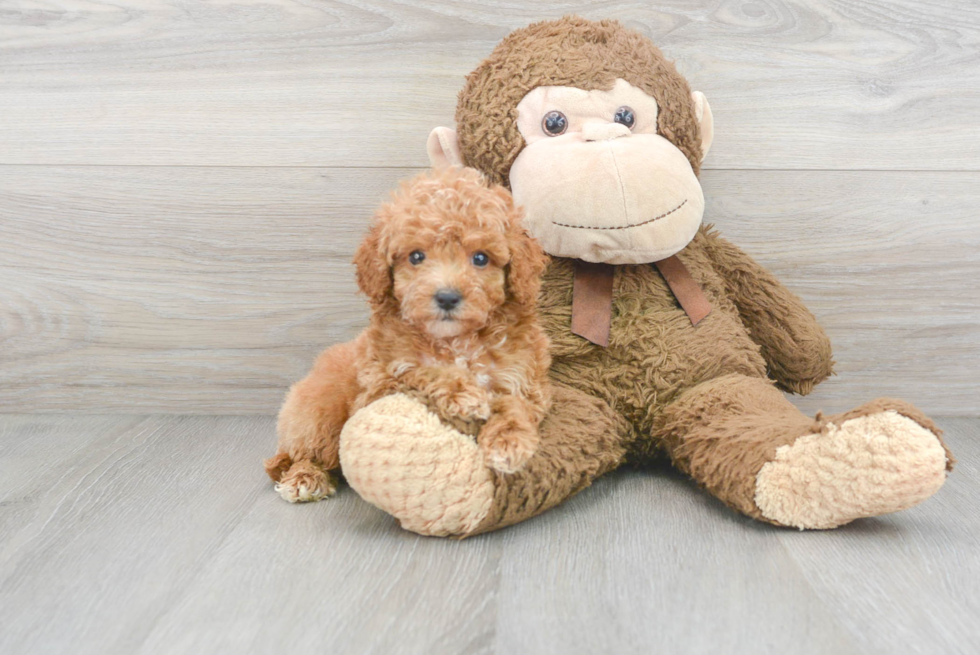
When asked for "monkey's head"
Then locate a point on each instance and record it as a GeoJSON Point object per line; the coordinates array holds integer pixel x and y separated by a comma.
{"type": "Point", "coordinates": [597, 135]}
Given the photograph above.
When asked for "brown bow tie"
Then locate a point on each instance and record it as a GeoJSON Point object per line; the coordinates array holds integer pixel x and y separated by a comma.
{"type": "Point", "coordinates": [592, 296]}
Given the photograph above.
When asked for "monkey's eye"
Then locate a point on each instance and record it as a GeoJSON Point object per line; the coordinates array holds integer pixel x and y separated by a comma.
{"type": "Point", "coordinates": [625, 116]}
{"type": "Point", "coordinates": [416, 257]}
{"type": "Point", "coordinates": [480, 259]}
{"type": "Point", "coordinates": [554, 123]}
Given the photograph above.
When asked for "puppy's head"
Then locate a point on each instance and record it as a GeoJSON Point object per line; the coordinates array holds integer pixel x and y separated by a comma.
{"type": "Point", "coordinates": [447, 252]}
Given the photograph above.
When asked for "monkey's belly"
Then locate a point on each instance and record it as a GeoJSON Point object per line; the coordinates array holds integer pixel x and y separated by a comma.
{"type": "Point", "coordinates": [654, 352]}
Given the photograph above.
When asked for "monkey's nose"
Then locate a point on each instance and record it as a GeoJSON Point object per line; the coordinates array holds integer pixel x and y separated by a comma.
{"type": "Point", "coordinates": [447, 299]}
{"type": "Point", "coordinates": [604, 131]}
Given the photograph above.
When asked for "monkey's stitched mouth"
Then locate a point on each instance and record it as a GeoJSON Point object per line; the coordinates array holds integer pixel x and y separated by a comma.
{"type": "Point", "coordinates": [622, 227]}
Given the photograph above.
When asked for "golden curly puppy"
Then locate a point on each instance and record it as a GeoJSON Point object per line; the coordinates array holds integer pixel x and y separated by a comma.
{"type": "Point", "coordinates": [453, 282]}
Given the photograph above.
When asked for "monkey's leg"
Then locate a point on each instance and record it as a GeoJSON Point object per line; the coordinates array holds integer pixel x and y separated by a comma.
{"type": "Point", "coordinates": [435, 480]}
{"type": "Point", "coordinates": [750, 447]}
{"type": "Point", "coordinates": [309, 425]}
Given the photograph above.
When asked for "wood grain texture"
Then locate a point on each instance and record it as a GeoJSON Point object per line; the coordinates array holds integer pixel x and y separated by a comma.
{"type": "Point", "coordinates": [209, 290]}
{"type": "Point", "coordinates": [869, 84]}
{"type": "Point", "coordinates": [887, 262]}
{"type": "Point", "coordinates": [105, 542]}
{"type": "Point", "coordinates": [162, 535]}
{"type": "Point", "coordinates": [151, 285]}
{"type": "Point", "coordinates": [924, 553]}
{"type": "Point", "coordinates": [662, 568]}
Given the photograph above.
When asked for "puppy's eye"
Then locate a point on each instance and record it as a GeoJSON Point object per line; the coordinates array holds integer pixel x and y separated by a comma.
{"type": "Point", "coordinates": [480, 259]}
{"type": "Point", "coordinates": [625, 116]}
{"type": "Point", "coordinates": [554, 123]}
{"type": "Point", "coordinates": [416, 257]}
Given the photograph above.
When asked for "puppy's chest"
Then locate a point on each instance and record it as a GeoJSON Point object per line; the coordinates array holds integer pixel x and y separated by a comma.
{"type": "Point", "coordinates": [478, 361]}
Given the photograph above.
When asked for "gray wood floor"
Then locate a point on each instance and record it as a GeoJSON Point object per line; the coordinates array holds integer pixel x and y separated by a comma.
{"type": "Point", "coordinates": [159, 534]}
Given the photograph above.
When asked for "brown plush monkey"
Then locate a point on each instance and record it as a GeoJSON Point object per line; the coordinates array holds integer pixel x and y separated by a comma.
{"type": "Point", "coordinates": [665, 337]}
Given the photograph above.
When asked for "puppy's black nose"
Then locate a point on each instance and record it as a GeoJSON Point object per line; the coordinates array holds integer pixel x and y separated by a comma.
{"type": "Point", "coordinates": [447, 299]}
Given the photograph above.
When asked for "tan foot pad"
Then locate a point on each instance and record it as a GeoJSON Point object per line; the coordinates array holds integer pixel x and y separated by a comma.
{"type": "Point", "coordinates": [401, 458]}
{"type": "Point", "coordinates": [866, 466]}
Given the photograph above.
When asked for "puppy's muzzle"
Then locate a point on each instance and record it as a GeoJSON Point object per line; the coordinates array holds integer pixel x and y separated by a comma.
{"type": "Point", "coordinates": [448, 299]}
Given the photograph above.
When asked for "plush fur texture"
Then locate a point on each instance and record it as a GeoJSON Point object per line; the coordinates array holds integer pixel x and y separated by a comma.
{"type": "Point", "coordinates": [707, 396]}
{"type": "Point", "coordinates": [600, 191]}
{"type": "Point", "coordinates": [426, 454]}
{"type": "Point", "coordinates": [568, 52]}
{"type": "Point", "coordinates": [435, 481]}
{"type": "Point", "coordinates": [874, 464]}
{"type": "Point", "coordinates": [479, 364]}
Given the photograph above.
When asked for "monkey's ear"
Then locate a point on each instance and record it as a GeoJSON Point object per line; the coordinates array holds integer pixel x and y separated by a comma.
{"type": "Point", "coordinates": [702, 111]}
{"type": "Point", "coordinates": [443, 148]}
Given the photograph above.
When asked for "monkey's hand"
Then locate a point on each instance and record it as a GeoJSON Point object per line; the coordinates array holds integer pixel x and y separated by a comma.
{"type": "Point", "coordinates": [791, 341]}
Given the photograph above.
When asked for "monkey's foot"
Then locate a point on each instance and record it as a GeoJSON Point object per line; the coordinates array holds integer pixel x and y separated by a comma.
{"type": "Point", "coordinates": [401, 458]}
{"type": "Point", "coordinates": [306, 482]}
{"type": "Point", "coordinates": [869, 465]}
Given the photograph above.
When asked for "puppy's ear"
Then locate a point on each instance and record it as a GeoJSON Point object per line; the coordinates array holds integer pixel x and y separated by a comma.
{"type": "Point", "coordinates": [527, 261]}
{"type": "Point", "coordinates": [373, 270]}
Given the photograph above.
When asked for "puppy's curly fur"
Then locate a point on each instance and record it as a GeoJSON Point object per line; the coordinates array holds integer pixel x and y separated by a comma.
{"type": "Point", "coordinates": [453, 283]}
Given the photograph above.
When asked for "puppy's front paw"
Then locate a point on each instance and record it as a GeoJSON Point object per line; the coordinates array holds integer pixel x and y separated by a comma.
{"type": "Point", "coordinates": [507, 447]}
{"type": "Point", "coordinates": [469, 404]}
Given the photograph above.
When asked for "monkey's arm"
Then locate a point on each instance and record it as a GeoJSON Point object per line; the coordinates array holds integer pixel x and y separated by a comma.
{"type": "Point", "coordinates": [793, 344]}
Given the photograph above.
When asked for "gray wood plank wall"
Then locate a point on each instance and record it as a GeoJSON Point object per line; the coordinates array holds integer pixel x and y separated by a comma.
{"type": "Point", "coordinates": [182, 184]}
